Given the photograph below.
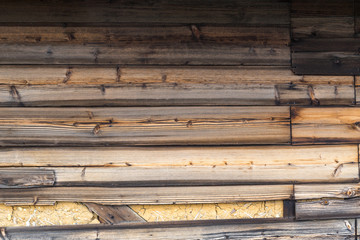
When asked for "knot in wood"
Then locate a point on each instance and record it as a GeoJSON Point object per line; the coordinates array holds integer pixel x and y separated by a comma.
{"type": "Point", "coordinates": [350, 192]}
{"type": "Point", "coordinates": [337, 61]}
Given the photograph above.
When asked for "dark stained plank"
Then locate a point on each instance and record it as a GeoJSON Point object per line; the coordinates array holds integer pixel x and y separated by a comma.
{"type": "Point", "coordinates": [357, 17]}
{"type": "Point", "coordinates": [145, 53]}
{"type": "Point", "coordinates": [316, 191]}
{"type": "Point", "coordinates": [114, 214]}
{"type": "Point", "coordinates": [325, 125]}
{"type": "Point", "coordinates": [146, 195]}
{"type": "Point", "coordinates": [331, 229]}
{"type": "Point", "coordinates": [26, 178]}
{"type": "Point", "coordinates": [168, 86]}
{"type": "Point", "coordinates": [327, 209]}
{"type": "Point", "coordinates": [144, 126]}
{"type": "Point", "coordinates": [189, 165]}
{"type": "Point", "coordinates": [159, 11]}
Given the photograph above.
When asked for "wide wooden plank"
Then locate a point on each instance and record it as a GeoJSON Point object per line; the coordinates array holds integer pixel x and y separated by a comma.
{"type": "Point", "coordinates": [161, 86]}
{"type": "Point", "coordinates": [325, 125]}
{"type": "Point", "coordinates": [144, 126]}
{"type": "Point", "coordinates": [327, 209]}
{"type": "Point", "coordinates": [25, 178]}
{"type": "Point", "coordinates": [150, 33]}
{"type": "Point", "coordinates": [159, 11]}
{"type": "Point", "coordinates": [114, 214]}
{"type": "Point", "coordinates": [146, 195]}
{"type": "Point", "coordinates": [171, 165]}
{"type": "Point", "coordinates": [316, 191]}
{"type": "Point", "coordinates": [331, 229]}
{"type": "Point", "coordinates": [154, 54]}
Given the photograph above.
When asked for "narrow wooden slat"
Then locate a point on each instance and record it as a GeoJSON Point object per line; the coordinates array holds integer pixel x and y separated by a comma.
{"type": "Point", "coordinates": [331, 229]}
{"type": "Point", "coordinates": [151, 33]}
{"type": "Point", "coordinates": [162, 86]}
{"type": "Point", "coordinates": [316, 191]}
{"type": "Point", "coordinates": [189, 165]}
{"type": "Point", "coordinates": [357, 18]}
{"type": "Point", "coordinates": [327, 209]}
{"type": "Point", "coordinates": [26, 178]}
{"type": "Point", "coordinates": [147, 195]}
{"type": "Point", "coordinates": [178, 11]}
{"type": "Point", "coordinates": [144, 126]}
{"type": "Point", "coordinates": [153, 54]}
{"type": "Point", "coordinates": [325, 125]}
{"type": "Point", "coordinates": [114, 214]}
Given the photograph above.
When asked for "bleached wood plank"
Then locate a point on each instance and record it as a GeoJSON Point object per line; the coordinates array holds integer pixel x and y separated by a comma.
{"type": "Point", "coordinates": [316, 191]}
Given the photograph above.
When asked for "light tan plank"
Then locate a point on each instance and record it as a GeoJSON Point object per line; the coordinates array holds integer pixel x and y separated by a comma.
{"type": "Point", "coordinates": [315, 191]}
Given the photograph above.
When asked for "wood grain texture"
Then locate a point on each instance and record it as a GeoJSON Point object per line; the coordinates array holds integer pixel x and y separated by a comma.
{"type": "Point", "coordinates": [146, 195]}
{"type": "Point", "coordinates": [114, 214]}
{"type": "Point", "coordinates": [327, 209]}
{"type": "Point", "coordinates": [316, 191]}
{"type": "Point", "coordinates": [26, 178]}
{"type": "Point", "coordinates": [146, 53]}
{"type": "Point", "coordinates": [325, 125]}
{"type": "Point", "coordinates": [144, 126]}
{"type": "Point", "coordinates": [178, 11]}
{"type": "Point", "coordinates": [331, 229]}
{"type": "Point", "coordinates": [168, 86]}
{"type": "Point", "coordinates": [189, 165]}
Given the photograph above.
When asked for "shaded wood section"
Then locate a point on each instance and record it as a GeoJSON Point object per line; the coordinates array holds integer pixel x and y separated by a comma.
{"type": "Point", "coordinates": [189, 165]}
{"type": "Point", "coordinates": [162, 86]}
{"type": "Point", "coordinates": [322, 18]}
{"type": "Point", "coordinates": [25, 178]}
{"type": "Point", "coordinates": [114, 214]}
{"type": "Point", "coordinates": [144, 126]}
{"type": "Point", "coordinates": [326, 56]}
{"type": "Point", "coordinates": [316, 191]}
{"type": "Point", "coordinates": [331, 229]}
{"type": "Point", "coordinates": [327, 209]}
{"type": "Point", "coordinates": [155, 33]}
{"type": "Point", "coordinates": [357, 18]}
{"type": "Point", "coordinates": [178, 11]}
{"type": "Point", "coordinates": [325, 125]}
{"type": "Point", "coordinates": [147, 195]}
{"type": "Point", "coordinates": [145, 53]}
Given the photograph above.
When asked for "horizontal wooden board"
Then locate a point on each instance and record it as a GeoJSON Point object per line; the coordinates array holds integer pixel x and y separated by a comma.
{"type": "Point", "coordinates": [325, 125]}
{"type": "Point", "coordinates": [150, 33]}
{"type": "Point", "coordinates": [323, 8]}
{"type": "Point", "coordinates": [331, 229]}
{"type": "Point", "coordinates": [327, 209]}
{"type": "Point", "coordinates": [316, 191]}
{"type": "Point", "coordinates": [189, 165]}
{"type": "Point", "coordinates": [144, 126]}
{"type": "Point", "coordinates": [327, 45]}
{"type": "Point", "coordinates": [146, 195]}
{"type": "Point", "coordinates": [153, 54]}
{"type": "Point", "coordinates": [162, 86]}
{"type": "Point", "coordinates": [176, 11]}
{"type": "Point", "coordinates": [23, 178]}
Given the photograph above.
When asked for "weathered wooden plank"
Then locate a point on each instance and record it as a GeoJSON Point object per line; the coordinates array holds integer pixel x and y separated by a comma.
{"type": "Point", "coordinates": [160, 86]}
{"type": "Point", "coordinates": [154, 33]}
{"type": "Point", "coordinates": [327, 45]}
{"type": "Point", "coordinates": [331, 229]}
{"type": "Point", "coordinates": [147, 195]}
{"type": "Point", "coordinates": [357, 18]}
{"type": "Point", "coordinates": [190, 166]}
{"type": "Point", "coordinates": [144, 126]}
{"type": "Point", "coordinates": [327, 209]}
{"type": "Point", "coordinates": [154, 54]}
{"type": "Point", "coordinates": [178, 11]}
{"type": "Point", "coordinates": [26, 178]}
{"type": "Point", "coordinates": [114, 214]}
{"type": "Point", "coordinates": [316, 191]}
{"type": "Point", "coordinates": [325, 125]}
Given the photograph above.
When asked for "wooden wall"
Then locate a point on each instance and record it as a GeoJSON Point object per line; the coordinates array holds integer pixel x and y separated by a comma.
{"type": "Point", "coordinates": [168, 102]}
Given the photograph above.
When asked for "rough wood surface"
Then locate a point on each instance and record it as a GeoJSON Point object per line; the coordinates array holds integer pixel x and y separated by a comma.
{"type": "Point", "coordinates": [114, 214]}
{"type": "Point", "coordinates": [25, 178]}
{"type": "Point", "coordinates": [147, 195]}
{"type": "Point", "coordinates": [189, 165]}
{"type": "Point", "coordinates": [144, 126]}
{"type": "Point", "coordinates": [177, 11]}
{"type": "Point", "coordinates": [325, 125]}
{"type": "Point", "coordinates": [327, 209]}
{"type": "Point", "coordinates": [331, 229]}
{"type": "Point", "coordinates": [316, 191]}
